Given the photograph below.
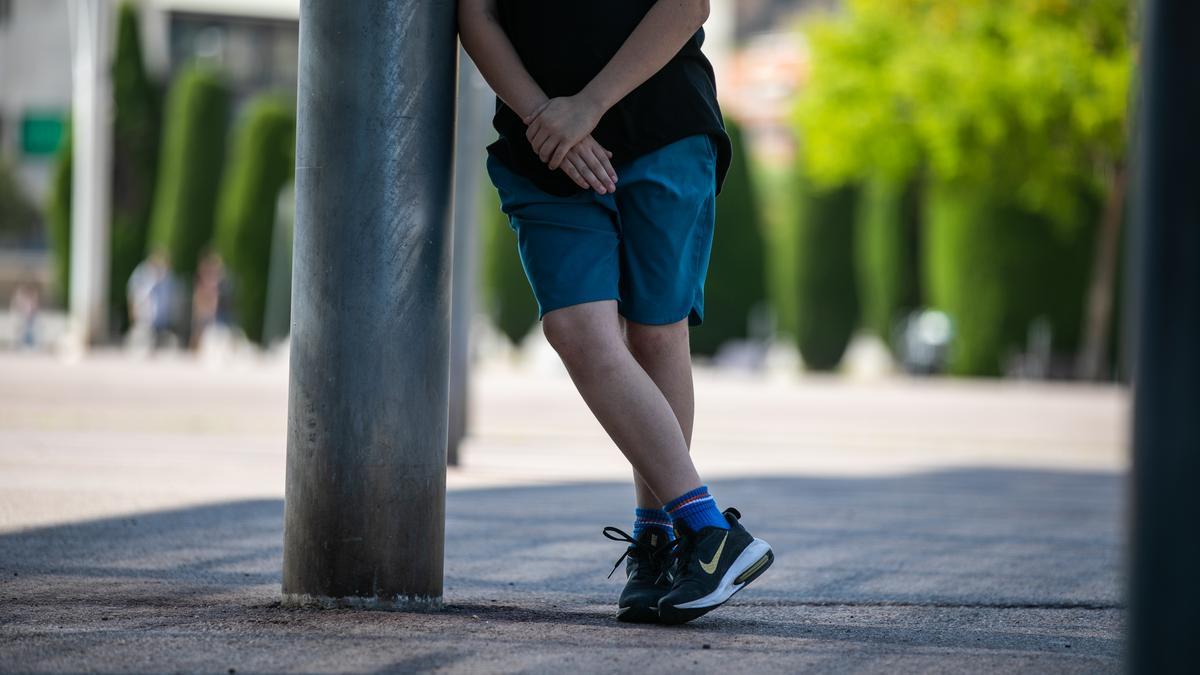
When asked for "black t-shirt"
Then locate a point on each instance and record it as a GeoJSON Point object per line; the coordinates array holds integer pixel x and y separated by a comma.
{"type": "Point", "coordinates": [564, 44]}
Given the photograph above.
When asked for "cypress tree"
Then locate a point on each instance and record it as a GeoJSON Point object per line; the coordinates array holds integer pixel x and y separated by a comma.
{"type": "Point", "coordinates": [193, 155]}
{"type": "Point", "coordinates": [886, 248]}
{"type": "Point", "coordinates": [58, 212]}
{"type": "Point", "coordinates": [506, 295]}
{"type": "Point", "coordinates": [995, 267]}
{"type": "Point", "coordinates": [261, 165]}
{"type": "Point", "coordinates": [827, 296]}
{"type": "Point", "coordinates": [136, 122]}
{"type": "Point", "coordinates": [736, 280]}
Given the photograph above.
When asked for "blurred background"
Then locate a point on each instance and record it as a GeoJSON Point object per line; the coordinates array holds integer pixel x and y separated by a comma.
{"type": "Point", "coordinates": [919, 187]}
{"type": "Point", "coordinates": [926, 196]}
{"type": "Point", "coordinates": [912, 372]}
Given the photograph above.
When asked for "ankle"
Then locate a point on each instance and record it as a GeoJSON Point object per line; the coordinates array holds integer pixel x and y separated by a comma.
{"type": "Point", "coordinates": [658, 519]}
{"type": "Point", "coordinates": [696, 509]}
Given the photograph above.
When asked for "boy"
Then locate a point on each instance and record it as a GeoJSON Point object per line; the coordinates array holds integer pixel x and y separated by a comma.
{"type": "Point", "coordinates": [585, 88]}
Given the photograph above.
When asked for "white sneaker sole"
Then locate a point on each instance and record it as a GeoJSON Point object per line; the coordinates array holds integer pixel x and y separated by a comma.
{"type": "Point", "coordinates": [756, 551]}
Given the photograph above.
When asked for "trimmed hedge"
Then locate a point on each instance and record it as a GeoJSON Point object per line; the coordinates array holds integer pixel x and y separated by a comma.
{"type": "Point", "coordinates": [507, 299]}
{"type": "Point", "coordinates": [136, 122]}
{"type": "Point", "coordinates": [58, 215]}
{"type": "Point", "coordinates": [19, 218]}
{"type": "Point", "coordinates": [193, 154]}
{"type": "Point", "coordinates": [995, 268]}
{"type": "Point", "coordinates": [262, 163]}
{"type": "Point", "coordinates": [826, 295]}
{"type": "Point", "coordinates": [737, 270]}
{"type": "Point", "coordinates": [886, 254]}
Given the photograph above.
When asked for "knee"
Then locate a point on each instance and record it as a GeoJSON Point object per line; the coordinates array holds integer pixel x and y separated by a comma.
{"type": "Point", "coordinates": [576, 341]}
{"type": "Point", "coordinates": [652, 342]}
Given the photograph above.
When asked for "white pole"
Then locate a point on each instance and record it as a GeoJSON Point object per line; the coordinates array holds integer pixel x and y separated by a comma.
{"type": "Point", "coordinates": [718, 40]}
{"type": "Point", "coordinates": [91, 177]}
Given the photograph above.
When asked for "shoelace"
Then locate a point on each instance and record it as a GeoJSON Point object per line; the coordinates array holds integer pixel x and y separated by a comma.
{"type": "Point", "coordinates": [617, 534]}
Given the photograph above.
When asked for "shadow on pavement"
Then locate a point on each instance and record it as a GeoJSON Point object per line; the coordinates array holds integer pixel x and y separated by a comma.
{"type": "Point", "coordinates": [1015, 568]}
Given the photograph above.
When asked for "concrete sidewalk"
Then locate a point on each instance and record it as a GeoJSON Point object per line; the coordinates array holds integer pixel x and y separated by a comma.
{"type": "Point", "coordinates": [946, 572]}
{"type": "Point", "coordinates": [919, 527]}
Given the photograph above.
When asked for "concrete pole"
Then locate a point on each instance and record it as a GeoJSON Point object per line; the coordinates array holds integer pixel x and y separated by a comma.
{"type": "Point", "coordinates": [91, 172]}
{"type": "Point", "coordinates": [1165, 586]}
{"type": "Point", "coordinates": [475, 108]}
{"type": "Point", "coordinates": [367, 403]}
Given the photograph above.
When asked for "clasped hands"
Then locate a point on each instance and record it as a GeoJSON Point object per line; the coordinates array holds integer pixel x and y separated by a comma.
{"type": "Point", "coordinates": [559, 130]}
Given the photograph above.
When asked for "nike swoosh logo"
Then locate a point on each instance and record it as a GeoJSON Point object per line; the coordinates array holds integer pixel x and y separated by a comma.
{"type": "Point", "coordinates": [711, 566]}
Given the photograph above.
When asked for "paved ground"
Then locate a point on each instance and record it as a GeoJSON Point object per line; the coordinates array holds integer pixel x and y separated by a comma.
{"type": "Point", "coordinates": [919, 527]}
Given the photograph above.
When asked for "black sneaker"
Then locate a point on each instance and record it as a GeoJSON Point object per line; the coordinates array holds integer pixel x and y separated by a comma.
{"type": "Point", "coordinates": [710, 566]}
{"type": "Point", "coordinates": [647, 560]}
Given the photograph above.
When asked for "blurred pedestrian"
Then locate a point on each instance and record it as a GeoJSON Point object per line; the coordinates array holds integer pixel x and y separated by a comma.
{"type": "Point", "coordinates": [152, 298]}
{"type": "Point", "coordinates": [585, 89]}
{"type": "Point", "coordinates": [211, 300]}
{"type": "Point", "coordinates": [24, 306]}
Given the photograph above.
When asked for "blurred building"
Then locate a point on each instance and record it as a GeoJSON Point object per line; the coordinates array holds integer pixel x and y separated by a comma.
{"type": "Point", "coordinates": [254, 41]}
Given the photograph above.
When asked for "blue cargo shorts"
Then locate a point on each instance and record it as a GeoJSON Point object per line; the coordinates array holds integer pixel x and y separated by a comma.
{"type": "Point", "coordinates": [646, 245]}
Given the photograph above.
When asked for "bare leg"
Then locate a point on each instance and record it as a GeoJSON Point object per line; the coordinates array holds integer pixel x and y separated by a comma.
{"type": "Point", "coordinates": [622, 396]}
{"type": "Point", "coordinates": [665, 354]}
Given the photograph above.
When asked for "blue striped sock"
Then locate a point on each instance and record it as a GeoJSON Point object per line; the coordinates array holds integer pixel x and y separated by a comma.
{"type": "Point", "coordinates": [696, 509]}
{"type": "Point", "coordinates": [646, 518]}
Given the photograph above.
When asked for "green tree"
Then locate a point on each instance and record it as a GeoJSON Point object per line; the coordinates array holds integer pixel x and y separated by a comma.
{"type": "Point", "coordinates": [827, 297]}
{"type": "Point", "coordinates": [18, 215]}
{"type": "Point", "coordinates": [736, 281]}
{"type": "Point", "coordinates": [1017, 108]}
{"type": "Point", "coordinates": [995, 268]}
{"type": "Point", "coordinates": [136, 121]}
{"type": "Point", "coordinates": [58, 216]}
{"type": "Point", "coordinates": [193, 155]}
{"type": "Point", "coordinates": [886, 254]}
{"type": "Point", "coordinates": [505, 289]}
{"type": "Point", "coordinates": [261, 164]}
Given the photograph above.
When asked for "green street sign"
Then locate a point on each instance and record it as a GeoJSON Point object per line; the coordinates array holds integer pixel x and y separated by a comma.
{"type": "Point", "coordinates": [41, 132]}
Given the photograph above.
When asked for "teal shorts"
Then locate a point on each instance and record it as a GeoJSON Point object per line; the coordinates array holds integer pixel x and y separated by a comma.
{"type": "Point", "coordinates": [646, 245]}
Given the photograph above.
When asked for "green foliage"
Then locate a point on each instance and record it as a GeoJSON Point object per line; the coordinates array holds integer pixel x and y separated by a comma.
{"type": "Point", "coordinates": [826, 297]}
{"type": "Point", "coordinates": [778, 200]}
{"type": "Point", "coordinates": [1027, 97]}
{"type": "Point", "coordinates": [58, 213]}
{"type": "Point", "coordinates": [136, 121]}
{"type": "Point", "coordinates": [261, 165]}
{"type": "Point", "coordinates": [18, 215]}
{"type": "Point", "coordinates": [505, 293]}
{"type": "Point", "coordinates": [193, 154]}
{"type": "Point", "coordinates": [736, 274]}
{"type": "Point", "coordinates": [886, 247]}
{"type": "Point", "coordinates": [1015, 111]}
{"type": "Point", "coordinates": [995, 268]}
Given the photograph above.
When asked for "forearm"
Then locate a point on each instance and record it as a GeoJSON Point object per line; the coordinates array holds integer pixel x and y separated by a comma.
{"type": "Point", "coordinates": [493, 53]}
{"type": "Point", "coordinates": [664, 30]}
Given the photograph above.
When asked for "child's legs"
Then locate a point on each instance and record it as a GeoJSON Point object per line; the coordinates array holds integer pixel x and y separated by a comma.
{"type": "Point", "coordinates": [664, 352]}
{"type": "Point", "coordinates": [624, 398]}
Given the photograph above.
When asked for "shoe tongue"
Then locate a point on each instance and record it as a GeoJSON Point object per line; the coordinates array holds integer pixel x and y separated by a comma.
{"type": "Point", "coordinates": [682, 530]}
{"type": "Point", "coordinates": [653, 536]}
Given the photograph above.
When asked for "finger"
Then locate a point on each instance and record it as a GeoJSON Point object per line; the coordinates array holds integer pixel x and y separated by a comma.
{"type": "Point", "coordinates": [573, 174]}
{"type": "Point", "coordinates": [558, 156]}
{"type": "Point", "coordinates": [534, 129]}
{"type": "Point", "coordinates": [590, 176]}
{"type": "Point", "coordinates": [547, 149]}
{"type": "Point", "coordinates": [603, 157]}
{"type": "Point", "coordinates": [539, 141]}
{"type": "Point", "coordinates": [597, 169]}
